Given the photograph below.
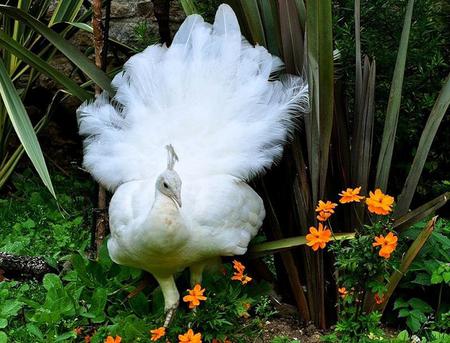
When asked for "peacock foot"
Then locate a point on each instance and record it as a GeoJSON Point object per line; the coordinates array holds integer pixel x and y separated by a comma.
{"type": "Point", "coordinates": [170, 313]}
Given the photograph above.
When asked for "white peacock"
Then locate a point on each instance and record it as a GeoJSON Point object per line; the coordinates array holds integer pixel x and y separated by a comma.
{"type": "Point", "coordinates": [209, 96]}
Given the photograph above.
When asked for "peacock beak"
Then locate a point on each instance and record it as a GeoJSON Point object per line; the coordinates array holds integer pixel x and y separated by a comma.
{"type": "Point", "coordinates": [177, 199]}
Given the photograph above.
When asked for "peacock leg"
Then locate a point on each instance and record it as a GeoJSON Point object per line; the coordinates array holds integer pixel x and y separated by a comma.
{"type": "Point", "coordinates": [171, 297]}
{"type": "Point", "coordinates": [197, 272]}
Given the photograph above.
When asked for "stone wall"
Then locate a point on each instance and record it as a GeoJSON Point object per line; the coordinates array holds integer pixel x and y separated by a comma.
{"type": "Point", "coordinates": [127, 15]}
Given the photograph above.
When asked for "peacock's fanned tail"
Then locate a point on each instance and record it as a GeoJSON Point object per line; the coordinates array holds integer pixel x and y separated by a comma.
{"type": "Point", "coordinates": [208, 95]}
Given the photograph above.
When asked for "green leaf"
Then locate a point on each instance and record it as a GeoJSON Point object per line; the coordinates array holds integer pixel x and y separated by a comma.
{"type": "Point", "coordinates": [52, 282]}
{"type": "Point", "coordinates": [23, 127]}
{"type": "Point", "coordinates": [400, 303]}
{"type": "Point", "coordinates": [3, 323]}
{"type": "Point", "coordinates": [416, 215]}
{"type": "Point", "coordinates": [291, 37]}
{"type": "Point", "coordinates": [65, 336]}
{"type": "Point", "coordinates": [269, 16]}
{"type": "Point", "coordinates": [419, 315]}
{"type": "Point", "coordinates": [188, 7]}
{"type": "Point", "coordinates": [420, 305]}
{"type": "Point", "coordinates": [404, 312]}
{"type": "Point", "coordinates": [321, 82]}
{"type": "Point", "coordinates": [66, 10]}
{"type": "Point", "coordinates": [251, 12]}
{"type": "Point", "coordinates": [98, 304]}
{"type": "Point", "coordinates": [34, 330]}
{"type": "Point", "coordinates": [426, 139]}
{"type": "Point", "coordinates": [287, 243]}
{"type": "Point", "coordinates": [39, 64]}
{"type": "Point", "coordinates": [69, 50]}
{"type": "Point", "coordinates": [436, 278]}
{"type": "Point", "coordinates": [10, 308]}
{"type": "Point", "coordinates": [413, 324]}
{"type": "Point", "coordinates": [393, 108]}
{"type": "Point", "coordinates": [406, 261]}
{"type": "Point", "coordinates": [3, 337]}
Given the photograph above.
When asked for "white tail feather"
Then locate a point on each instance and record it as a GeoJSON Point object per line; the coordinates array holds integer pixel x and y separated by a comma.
{"type": "Point", "coordinates": [208, 95]}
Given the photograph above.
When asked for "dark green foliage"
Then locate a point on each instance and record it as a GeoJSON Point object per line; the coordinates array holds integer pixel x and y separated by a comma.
{"type": "Point", "coordinates": [422, 296]}
{"type": "Point", "coordinates": [33, 223]}
{"type": "Point", "coordinates": [426, 68]}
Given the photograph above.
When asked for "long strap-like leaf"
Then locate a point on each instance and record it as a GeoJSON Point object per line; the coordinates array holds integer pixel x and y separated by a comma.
{"type": "Point", "coordinates": [23, 127]}
{"type": "Point", "coordinates": [39, 64]}
{"type": "Point", "coordinates": [70, 51]}
{"type": "Point", "coordinates": [426, 139]}
{"type": "Point", "coordinates": [392, 112]}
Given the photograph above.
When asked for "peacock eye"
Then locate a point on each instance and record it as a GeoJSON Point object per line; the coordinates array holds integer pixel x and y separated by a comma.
{"type": "Point", "coordinates": [165, 185]}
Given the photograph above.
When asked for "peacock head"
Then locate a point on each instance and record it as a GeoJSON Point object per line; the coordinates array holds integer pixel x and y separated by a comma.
{"type": "Point", "coordinates": [169, 182]}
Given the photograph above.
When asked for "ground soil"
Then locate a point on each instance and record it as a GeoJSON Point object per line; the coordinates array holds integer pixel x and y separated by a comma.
{"type": "Point", "coordinates": [289, 326]}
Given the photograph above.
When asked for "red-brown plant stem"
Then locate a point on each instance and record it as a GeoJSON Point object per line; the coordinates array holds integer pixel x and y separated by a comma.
{"type": "Point", "coordinates": [100, 215]}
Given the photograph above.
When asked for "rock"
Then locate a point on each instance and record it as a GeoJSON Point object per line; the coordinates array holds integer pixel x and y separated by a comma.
{"type": "Point", "coordinates": [121, 10]}
{"type": "Point", "coordinates": [144, 9]}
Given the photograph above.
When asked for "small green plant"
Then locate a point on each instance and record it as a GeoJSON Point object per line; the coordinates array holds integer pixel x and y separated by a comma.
{"type": "Point", "coordinates": [144, 35]}
{"type": "Point", "coordinates": [415, 311]}
{"type": "Point", "coordinates": [283, 339]}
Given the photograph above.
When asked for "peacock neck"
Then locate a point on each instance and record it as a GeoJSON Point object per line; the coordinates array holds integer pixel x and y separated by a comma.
{"type": "Point", "coordinates": [164, 203]}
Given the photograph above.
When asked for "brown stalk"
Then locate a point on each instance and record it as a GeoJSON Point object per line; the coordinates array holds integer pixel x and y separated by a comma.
{"type": "Point", "coordinates": [100, 213]}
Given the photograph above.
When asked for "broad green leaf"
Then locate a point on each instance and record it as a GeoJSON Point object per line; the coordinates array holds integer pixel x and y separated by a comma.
{"type": "Point", "coordinates": [413, 323]}
{"type": "Point", "coordinates": [426, 139]}
{"type": "Point", "coordinates": [36, 62]}
{"type": "Point", "coordinates": [23, 127]}
{"type": "Point", "coordinates": [420, 305]}
{"type": "Point", "coordinates": [404, 312]}
{"type": "Point", "coordinates": [3, 323]}
{"type": "Point", "coordinates": [70, 51]}
{"type": "Point", "coordinates": [393, 108]}
{"type": "Point", "coordinates": [3, 337]}
{"type": "Point", "coordinates": [10, 308]}
{"type": "Point", "coordinates": [400, 303]}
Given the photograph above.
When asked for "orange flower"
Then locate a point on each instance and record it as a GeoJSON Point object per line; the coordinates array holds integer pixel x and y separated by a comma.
{"type": "Point", "coordinates": [78, 330]}
{"type": "Point", "coordinates": [323, 216]}
{"type": "Point", "coordinates": [350, 195]}
{"type": "Point", "coordinates": [109, 339]}
{"type": "Point", "coordinates": [326, 206]}
{"type": "Point", "coordinates": [342, 292]}
{"type": "Point", "coordinates": [318, 238]}
{"type": "Point", "coordinates": [215, 340]}
{"type": "Point", "coordinates": [379, 300]}
{"type": "Point", "coordinates": [238, 266]}
{"type": "Point", "coordinates": [190, 337]}
{"type": "Point", "coordinates": [247, 306]}
{"type": "Point", "coordinates": [379, 203]}
{"type": "Point", "coordinates": [87, 339]}
{"type": "Point", "coordinates": [195, 295]}
{"type": "Point", "coordinates": [388, 244]}
{"type": "Point", "coordinates": [158, 333]}
{"type": "Point", "coordinates": [239, 273]}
